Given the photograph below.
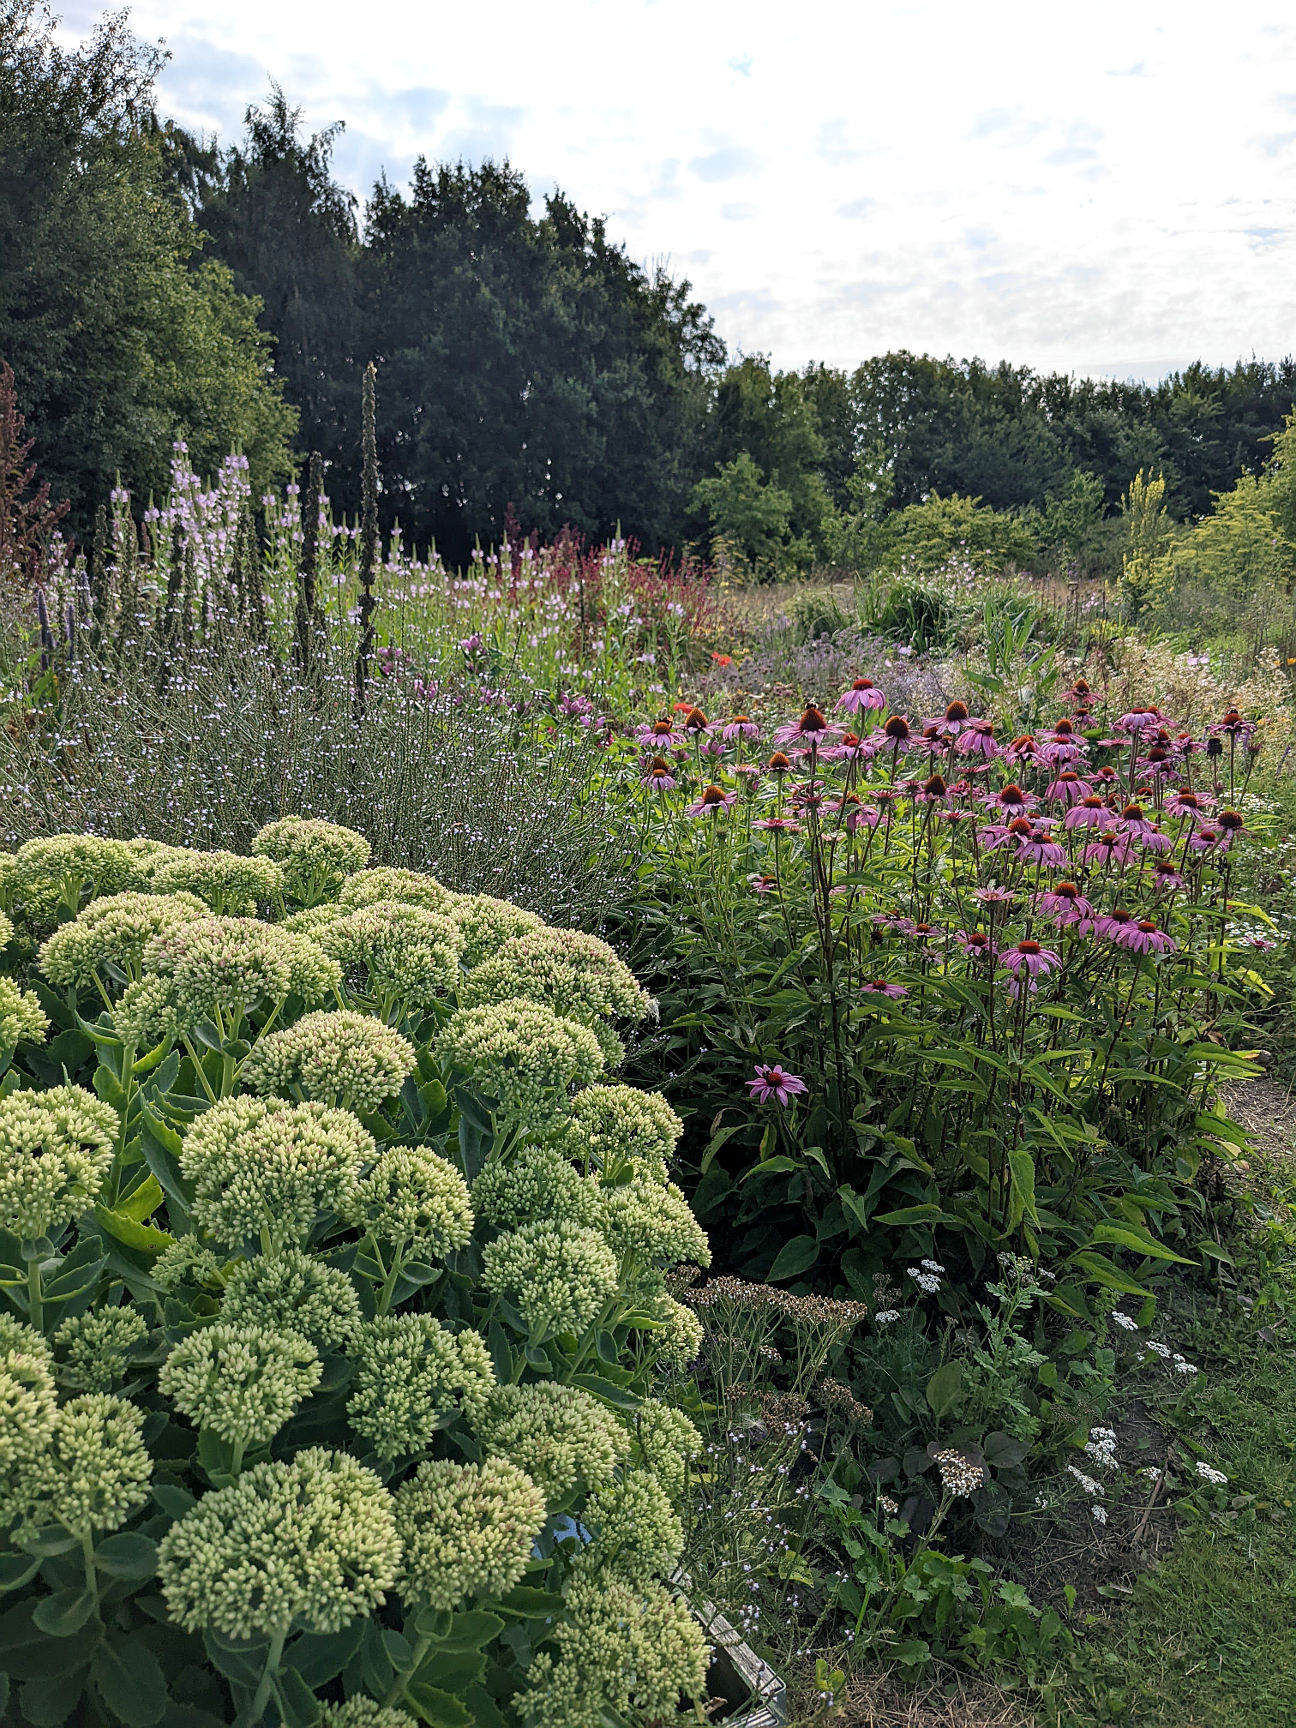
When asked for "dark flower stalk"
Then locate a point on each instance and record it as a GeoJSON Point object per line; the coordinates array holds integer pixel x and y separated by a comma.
{"type": "Point", "coordinates": [368, 532]}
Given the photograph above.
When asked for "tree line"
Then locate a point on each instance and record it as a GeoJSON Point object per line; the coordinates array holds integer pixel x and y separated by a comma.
{"type": "Point", "coordinates": [154, 285]}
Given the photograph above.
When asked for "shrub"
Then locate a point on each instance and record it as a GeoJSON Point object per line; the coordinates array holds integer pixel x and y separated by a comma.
{"type": "Point", "coordinates": [300, 1423]}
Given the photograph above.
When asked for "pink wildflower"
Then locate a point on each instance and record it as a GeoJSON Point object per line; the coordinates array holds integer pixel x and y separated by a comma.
{"type": "Point", "coordinates": [774, 1082]}
{"type": "Point", "coordinates": [713, 800]}
{"type": "Point", "coordinates": [863, 694]}
{"type": "Point", "coordinates": [1030, 957]}
{"type": "Point", "coordinates": [1064, 904]}
{"type": "Point", "coordinates": [740, 727]}
{"type": "Point", "coordinates": [882, 987]}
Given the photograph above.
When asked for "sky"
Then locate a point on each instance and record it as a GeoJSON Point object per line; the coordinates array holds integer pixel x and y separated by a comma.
{"type": "Point", "coordinates": [1101, 189]}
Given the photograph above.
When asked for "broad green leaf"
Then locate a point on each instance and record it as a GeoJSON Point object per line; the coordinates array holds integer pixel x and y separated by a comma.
{"type": "Point", "coordinates": [128, 1677]}
{"type": "Point", "coordinates": [127, 1555]}
{"type": "Point", "coordinates": [944, 1388]}
{"type": "Point", "coordinates": [297, 1702]}
{"type": "Point", "coordinates": [1126, 1236]}
{"type": "Point", "coordinates": [65, 1612]}
{"type": "Point", "coordinates": [321, 1656]}
{"type": "Point", "coordinates": [437, 1708]}
{"type": "Point", "coordinates": [16, 1569]}
{"type": "Point", "coordinates": [527, 1603]}
{"type": "Point", "coordinates": [618, 1396]}
{"type": "Point", "coordinates": [144, 1237]}
{"type": "Point", "coordinates": [793, 1258]}
{"type": "Point", "coordinates": [50, 1699]}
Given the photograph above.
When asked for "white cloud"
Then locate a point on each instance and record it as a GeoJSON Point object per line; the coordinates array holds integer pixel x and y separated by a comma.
{"type": "Point", "coordinates": [998, 179]}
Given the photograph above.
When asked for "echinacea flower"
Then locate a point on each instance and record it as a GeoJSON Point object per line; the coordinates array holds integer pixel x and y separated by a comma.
{"type": "Point", "coordinates": [740, 727]}
{"type": "Point", "coordinates": [779, 763]}
{"type": "Point", "coordinates": [975, 944]}
{"type": "Point", "coordinates": [1064, 904]}
{"type": "Point", "coordinates": [1089, 812]}
{"type": "Point", "coordinates": [713, 800]}
{"type": "Point", "coordinates": [696, 723]}
{"type": "Point", "coordinates": [883, 987]}
{"type": "Point", "coordinates": [774, 1082]}
{"type": "Point", "coordinates": [1165, 876]}
{"type": "Point", "coordinates": [1031, 957]}
{"type": "Point", "coordinates": [1186, 802]}
{"type": "Point", "coordinates": [863, 694]}
{"type": "Point", "coordinates": [778, 825]}
{"type": "Point", "coordinates": [763, 884]}
{"type": "Point", "coordinates": [1068, 788]}
{"type": "Point", "coordinates": [1038, 847]}
{"type": "Point", "coordinates": [1146, 938]}
{"type": "Point", "coordinates": [661, 735]}
{"type": "Point", "coordinates": [1109, 848]}
{"type": "Point", "coordinates": [1117, 926]}
{"type": "Point", "coordinates": [977, 738]}
{"type": "Point", "coordinates": [810, 731]}
{"type": "Point", "coordinates": [658, 776]}
{"type": "Point", "coordinates": [1232, 827]}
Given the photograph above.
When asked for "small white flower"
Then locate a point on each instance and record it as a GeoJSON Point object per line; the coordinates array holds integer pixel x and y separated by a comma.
{"type": "Point", "coordinates": [1183, 1366]}
{"type": "Point", "coordinates": [886, 1316]}
{"type": "Point", "coordinates": [1208, 1475]}
{"type": "Point", "coordinates": [1124, 1321]}
{"type": "Point", "coordinates": [1150, 1471]}
{"type": "Point", "coordinates": [926, 1281]}
{"type": "Point", "coordinates": [1099, 1514]}
{"type": "Point", "coordinates": [1159, 1349]}
{"type": "Point", "coordinates": [1086, 1482]}
{"type": "Point", "coordinates": [932, 1266]}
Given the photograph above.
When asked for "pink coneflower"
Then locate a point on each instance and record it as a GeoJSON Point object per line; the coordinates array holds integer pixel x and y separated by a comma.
{"type": "Point", "coordinates": [774, 1082]}
{"type": "Point", "coordinates": [696, 724]}
{"type": "Point", "coordinates": [1134, 821]}
{"type": "Point", "coordinates": [1090, 812]}
{"type": "Point", "coordinates": [1009, 797]}
{"type": "Point", "coordinates": [1206, 840]}
{"type": "Point", "coordinates": [1116, 926]}
{"type": "Point", "coordinates": [954, 720]}
{"type": "Point", "coordinates": [1030, 957]}
{"type": "Point", "coordinates": [747, 771]}
{"type": "Point", "coordinates": [1038, 847]}
{"type": "Point", "coordinates": [851, 749]}
{"type": "Point", "coordinates": [714, 799]}
{"type": "Point", "coordinates": [977, 739]}
{"type": "Point", "coordinates": [1155, 841]}
{"type": "Point", "coordinates": [740, 727]}
{"type": "Point", "coordinates": [897, 732]}
{"type": "Point", "coordinates": [1109, 848]}
{"type": "Point", "coordinates": [932, 790]}
{"type": "Point", "coordinates": [1138, 720]}
{"type": "Point", "coordinates": [853, 811]}
{"type": "Point", "coordinates": [778, 825]}
{"type": "Point", "coordinates": [658, 776]}
{"type": "Point", "coordinates": [763, 884]}
{"type": "Point", "coordinates": [810, 730]}
{"type": "Point", "coordinates": [1186, 802]}
{"type": "Point", "coordinates": [779, 763]}
{"type": "Point", "coordinates": [1146, 938]}
{"type": "Point", "coordinates": [1232, 827]}
{"type": "Point", "coordinates": [882, 987]}
{"type": "Point", "coordinates": [1023, 749]}
{"type": "Point", "coordinates": [1065, 904]}
{"type": "Point", "coordinates": [661, 735]}
{"type": "Point", "coordinates": [1165, 876]}
{"type": "Point", "coordinates": [993, 897]}
{"type": "Point", "coordinates": [975, 944]}
{"type": "Point", "coordinates": [1234, 725]}
{"type": "Point", "coordinates": [1069, 788]}
{"type": "Point", "coordinates": [862, 694]}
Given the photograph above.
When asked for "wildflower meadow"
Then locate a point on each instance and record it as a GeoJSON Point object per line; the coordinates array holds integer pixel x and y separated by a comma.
{"type": "Point", "coordinates": [577, 1152]}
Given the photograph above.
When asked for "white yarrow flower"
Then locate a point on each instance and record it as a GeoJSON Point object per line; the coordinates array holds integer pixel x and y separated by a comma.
{"type": "Point", "coordinates": [1208, 1475]}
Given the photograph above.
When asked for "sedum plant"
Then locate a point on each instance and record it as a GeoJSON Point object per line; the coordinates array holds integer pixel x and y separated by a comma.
{"type": "Point", "coordinates": [333, 1266]}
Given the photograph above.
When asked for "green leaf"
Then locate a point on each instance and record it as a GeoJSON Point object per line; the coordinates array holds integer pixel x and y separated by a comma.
{"type": "Point", "coordinates": [927, 1213]}
{"type": "Point", "coordinates": [16, 1569]}
{"type": "Point", "coordinates": [241, 1662]}
{"type": "Point", "coordinates": [173, 1500]}
{"type": "Point", "coordinates": [65, 1612]}
{"type": "Point", "coordinates": [142, 1236]}
{"type": "Point", "coordinates": [1126, 1236]}
{"type": "Point", "coordinates": [771, 1167]}
{"type": "Point", "coordinates": [1021, 1195]}
{"type": "Point", "coordinates": [437, 1708]}
{"type": "Point", "coordinates": [1001, 1451]}
{"type": "Point", "coordinates": [127, 1555]}
{"type": "Point", "coordinates": [51, 1698]}
{"type": "Point", "coordinates": [525, 1602]}
{"type": "Point", "coordinates": [793, 1258]}
{"type": "Point", "coordinates": [471, 1630]}
{"type": "Point", "coordinates": [129, 1679]}
{"type": "Point", "coordinates": [321, 1656]}
{"type": "Point", "coordinates": [451, 1670]}
{"type": "Point", "coordinates": [620, 1397]}
{"type": "Point", "coordinates": [298, 1704]}
{"type": "Point", "coordinates": [76, 1272]}
{"type": "Point", "coordinates": [944, 1388]}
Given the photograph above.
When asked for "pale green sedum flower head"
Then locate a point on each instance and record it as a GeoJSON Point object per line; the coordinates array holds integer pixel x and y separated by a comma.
{"type": "Point", "coordinates": [412, 1376]}
{"type": "Point", "coordinates": [56, 871]}
{"type": "Point", "coordinates": [466, 1529]}
{"type": "Point", "coordinates": [679, 1339]}
{"type": "Point", "coordinates": [573, 973]}
{"type": "Point", "coordinates": [564, 1439]}
{"type": "Point", "coordinates": [364, 1713]}
{"type": "Point", "coordinates": [560, 1276]}
{"type": "Point", "coordinates": [310, 1543]}
{"type": "Point", "coordinates": [415, 1202]}
{"type": "Point", "coordinates": [96, 1469]}
{"type": "Point", "coordinates": [650, 1225]}
{"type": "Point", "coordinates": [637, 1531]}
{"type": "Point", "coordinates": [408, 887]}
{"type": "Point", "coordinates": [55, 1150]}
{"type": "Point", "coordinates": [316, 857]}
{"type": "Point", "coordinates": [94, 1347]}
{"type": "Point", "coordinates": [341, 1058]}
{"type": "Point", "coordinates": [666, 1441]}
{"type": "Point", "coordinates": [486, 923]}
{"type": "Point", "coordinates": [22, 1019]}
{"type": "Point", "coordinates": [523, 1055]}
{"type": "Point", "coordinates": [112, 934]}
{"type": "Point", "coordinates": [186, 1261]}
{"type": "Point", "coordinates": [613, 1125]}
{"type": "Point", "coordinates": [537, 1182]}
{"type": "Point", "coordinates": [629, 1651]}
{"type": "Point", "coordinates": [228, 966]}
{"type": "Point", "coordinates": [293, 1292]}
{"type": "Point", "coordinates": [241, 1382]}
{"type": "Point", "coordinates": [28, 1412]}
{"type": "Point", "coordinates": [395, 955]}
{"type": "Point", "coordinates": [265, 1169]}
{"type": "Point", "coordinates": [227, 882]}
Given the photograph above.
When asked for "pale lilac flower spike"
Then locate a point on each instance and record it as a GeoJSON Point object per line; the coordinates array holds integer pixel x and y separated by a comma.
{"type": "Point", "coordinates": [775, 1082]}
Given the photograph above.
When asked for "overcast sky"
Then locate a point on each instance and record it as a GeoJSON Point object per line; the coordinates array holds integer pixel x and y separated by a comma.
{"type": "Point", "coordinates": [1098, 188]}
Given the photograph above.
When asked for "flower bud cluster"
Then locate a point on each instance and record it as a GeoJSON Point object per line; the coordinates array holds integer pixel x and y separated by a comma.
{"type": "Point", "coordinates": [486, 924]}
{"type": "Point", "coordinates": [565, 1440]}
{"type": "Point", "coordinates": [311, 1542]}
{"type": "Point", "coordinates": [57, 869]}
{"type": "Point", "coordinates": [575, 974]}
{"type": "Point", "coordinates": [410, 1374]}
{"type": "Point", "coordinates": [316, 857]}
{"type": "Point", "coordinates": [28, 1411]}
{"type": "Point", "coordinates": [241, 1382]}
{"type": "Point", "coordinates": [408, 887]}
{"type": "Point", "coordinates": [666, 1440]}
{"type": "Point", "coordinates": [391, 952]}
{"type": "Point", "coordinates": [341, 1058]}
{"type": "Point", "coordinates": [290, 1292]}
{"type": "Point", "coordinates": [111, 935]}
{"type": "Point", "coordinates": [523, 1055]}
{"type": "Point", "coordinates": [22, 1019]}
{"type": "Point", "coordinates": [95, 1469]}
{"type": "Point", "coordinates": [466, 1529]}
{"type": "Point", "coordinates": [637, 1531]}
{"type": "Point", "coordinates": [414, 1201]}
{"type": "Point", "coordinates": [648, 1224]}
{"type": "Point", "coordinates": [559, 1275]}
{"type": "Point", "coordinates": [55, 1150]}
{"type": "Point", "coordinates": [265, 1168]}
{"type": "Point", "coordinates": [610, 1125]}
{"type": "Point", "coordinates": [536, 1182]}
{"type": "Point", "coordinates": [93, 1347]}
{"type": "Point", "coordinates": [226, 881]}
